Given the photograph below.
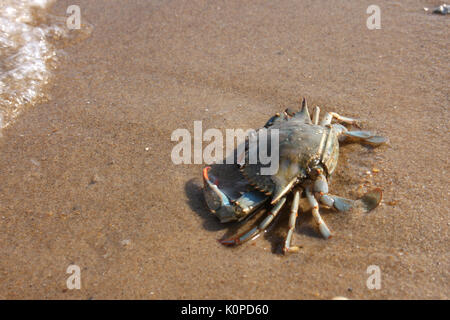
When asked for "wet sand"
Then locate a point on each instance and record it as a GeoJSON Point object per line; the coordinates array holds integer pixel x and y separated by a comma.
{"type": "Point", "coordinates": [80, 187]}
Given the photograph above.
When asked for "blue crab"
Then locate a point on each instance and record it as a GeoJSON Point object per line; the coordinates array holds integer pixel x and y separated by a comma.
{"type": "Point", "coordinates": [308, 155]}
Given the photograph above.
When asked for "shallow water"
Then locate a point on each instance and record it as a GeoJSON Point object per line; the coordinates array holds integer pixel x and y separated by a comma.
{"type": "Point", "coordinates": [29, 42]}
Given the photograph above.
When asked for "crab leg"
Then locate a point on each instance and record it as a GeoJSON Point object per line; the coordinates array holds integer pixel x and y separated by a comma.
{"type": "Point", "coordinates": [256, 230]}
{"type": "Point", "coordinates": [316, 112]}
{"type": "Point", "coordinates": [292, 219]}
{"type": "Point", "coordinates": [368, 202]}
{"type": "Point", "coordinates": [358, 136]}
{"type": "Point", "coordinates": [320, 188]}
{"type": "Point", "coordinates": [330, 115]}
{"type": "Point", "coordinates": [365, 137]}
{"type": "Point", "coordinates": [326, 233]}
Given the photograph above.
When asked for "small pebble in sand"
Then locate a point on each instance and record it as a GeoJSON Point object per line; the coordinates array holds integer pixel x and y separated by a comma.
{"type": "Point", "coordinates": [125, 242]}
{"type": "Point", "coordinates": [95, 178]}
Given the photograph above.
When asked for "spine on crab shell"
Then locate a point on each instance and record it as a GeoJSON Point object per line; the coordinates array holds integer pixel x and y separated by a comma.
{"type": "Point", "coordinates": [303, 113]}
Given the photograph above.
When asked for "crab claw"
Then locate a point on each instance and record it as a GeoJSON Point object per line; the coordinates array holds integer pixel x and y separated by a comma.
{"type": "Point", "coordinates": [217, 201]}
{"type": "Point", "coordinates": [226, 208]}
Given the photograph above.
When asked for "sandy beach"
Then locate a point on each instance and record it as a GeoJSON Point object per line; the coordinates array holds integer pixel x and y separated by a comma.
{"type": "Point", "coordinates": [87, 177]}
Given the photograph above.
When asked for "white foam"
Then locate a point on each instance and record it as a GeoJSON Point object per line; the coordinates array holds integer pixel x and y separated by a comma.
{"type": "Point", "coordinates": [26, 55]}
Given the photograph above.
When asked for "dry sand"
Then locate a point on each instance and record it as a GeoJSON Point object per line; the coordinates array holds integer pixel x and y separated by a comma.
{"type": "Point", "coordinates": [79, 187]}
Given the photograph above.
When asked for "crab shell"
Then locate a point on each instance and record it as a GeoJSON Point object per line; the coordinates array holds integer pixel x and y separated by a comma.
{"type": "Point", "coordinates": [303, 146]}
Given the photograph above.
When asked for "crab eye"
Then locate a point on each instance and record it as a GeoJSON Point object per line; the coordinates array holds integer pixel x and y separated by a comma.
{"type": "Point", "coordinates": [271, 120]}
{"type": "Point", "coordinates": [290, 112]}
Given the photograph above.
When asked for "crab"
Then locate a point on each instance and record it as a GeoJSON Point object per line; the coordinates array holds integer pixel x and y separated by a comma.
{"type": "Point", "coordinates": [308, 156]}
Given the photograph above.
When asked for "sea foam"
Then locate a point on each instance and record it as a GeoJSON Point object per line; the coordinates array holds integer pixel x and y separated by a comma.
{"type": "Point", "coordinates": [29, 37]}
